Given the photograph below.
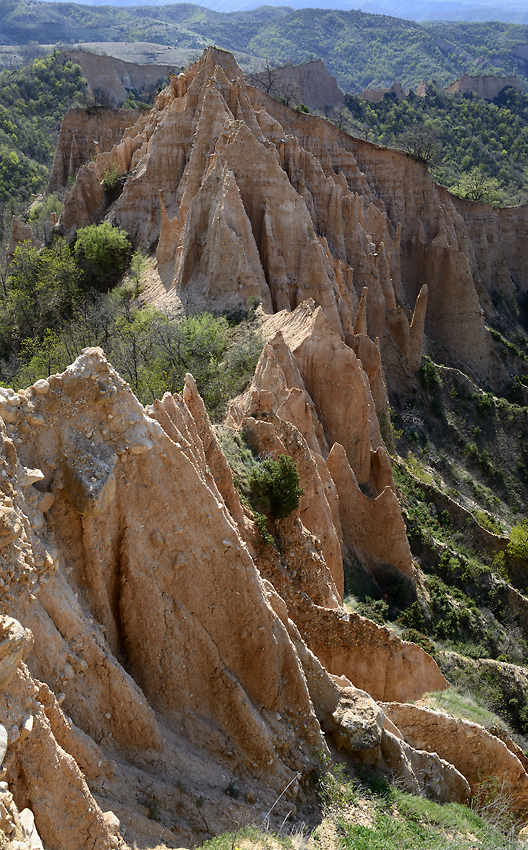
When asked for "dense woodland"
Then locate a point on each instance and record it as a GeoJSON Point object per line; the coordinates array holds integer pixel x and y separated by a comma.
{"type": "Point", "coordinates": [33, 100]}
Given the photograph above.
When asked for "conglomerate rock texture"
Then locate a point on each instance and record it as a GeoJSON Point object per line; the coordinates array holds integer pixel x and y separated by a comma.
{"type": "Point", "coordinates": [184, 672]}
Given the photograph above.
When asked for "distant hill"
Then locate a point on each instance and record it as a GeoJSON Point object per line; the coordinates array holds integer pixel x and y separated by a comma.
{"type": "Point", "coordinates": [515, 12]}
{"type": "Point", "coordinates": [361, 50]}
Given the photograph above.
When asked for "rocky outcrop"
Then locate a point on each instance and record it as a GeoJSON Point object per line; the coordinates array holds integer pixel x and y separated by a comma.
{"type": "Point", "coordinates": [20, 233]}
{"type": "Point", "coordinates": [128, 559]}
{"type": "Point", "coordinates": [372, 528]}
{"type": "Point", "coordinates": [177, 647]}
{"type": "Point", "coordinates": [310, 378]}
{"type": "Point", "coordinates": [110, 80]}
{"type": "Point", "coordinates": [377, 95]}
{"type": "Point", "coordinates": [478, 755]}
{"type": "Point", "coordinates": [488, 87]}
{"type": "Point", "coordinates": [83, 135]}
{"type": "Point", "coordinates": [247, 199]}
{"type": "Point", "coordinates": [171, 647]}
{"type": "Point", "coordinates": [309, 83]}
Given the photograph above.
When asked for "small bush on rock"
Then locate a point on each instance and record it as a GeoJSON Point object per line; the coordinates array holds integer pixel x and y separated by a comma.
{"type": "Point", "coordinates": [275, 483]}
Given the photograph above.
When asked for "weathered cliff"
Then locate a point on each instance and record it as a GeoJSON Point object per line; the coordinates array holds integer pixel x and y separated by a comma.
{"type": "Point", "coordinates": [309, 82]}
{"type": "Point", "coordinates": [246, 198]}
{"type": "Point", "coordinates": [487, 87]}
{"type": "Point", "coordinates": [82, 136]}
{"type": "Point", "coordinates": [163, 658]}
{"type": "Point", "coordinates": [111, 79]}
{"type": "Point", "coordinates": [377, 95]}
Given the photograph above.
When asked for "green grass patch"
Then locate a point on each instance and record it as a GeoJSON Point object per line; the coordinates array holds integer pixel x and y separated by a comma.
{"type": "Point", "coordinates": [413, 823]}
{"type": "Point", "coordinates": [466, 707]}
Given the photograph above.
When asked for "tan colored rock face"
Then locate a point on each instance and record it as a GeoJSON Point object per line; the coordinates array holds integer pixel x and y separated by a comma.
{"type": "Point", "coordinates": [111, 79]}
{"type": "Point", "coordinates": [20, 233]}
{"type": "Point", "coordinates": [159, 612]}
{"type": "Point", "coordinates": [250, 199]}
{"type": "Point", "coordinates": [174, 646]}
{"type": "Point", "coordinates": [309, 83]}
{"type": "Point", "coordinates": [152, 615]}
{"type": "Point", "coordinates": [487, 87]}
{"type": "Point", "coordinates": [372, 527]}
{"type": "Point", "coordinates": [377, 95]}
{"type": "Point", "coordinates": [83, 135]}
{"type": "Point", "coordinates": [15, 643]}
{"type": "Point", "coordinates": [474, 752]}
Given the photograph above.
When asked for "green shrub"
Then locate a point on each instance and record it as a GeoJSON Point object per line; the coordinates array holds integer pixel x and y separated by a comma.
{"type": "Point", "coordinates": [412, 618]}
{"type": "Point", "coordinates": [374, 609]}
{"type": "Point", "coordinates": [102, 252]}
{"type": "Point", "coordinates": [260, 522]}
{"type": "Point", "coordinates": [485, 403]}
{"type": "Point", "coordinates": [488, 521]}
{"type": "Point", "coordinates": [414, 636]}
{"type": "Point", "coordinates": [430, 375]}
{"type": "Point", "coordinates": [42, 292]}
{"type": "Point", "coordinates": [275, 483]}
{"type": "Point", "coordinates": [518, 543]}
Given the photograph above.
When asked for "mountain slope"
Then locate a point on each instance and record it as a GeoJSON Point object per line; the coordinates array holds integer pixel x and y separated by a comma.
{"type": "Point", "coordinates": [360, 49]}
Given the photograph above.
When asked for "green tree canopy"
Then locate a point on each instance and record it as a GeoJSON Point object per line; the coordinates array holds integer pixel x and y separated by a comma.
{"type": "Point", "coordinates": [102, 252]}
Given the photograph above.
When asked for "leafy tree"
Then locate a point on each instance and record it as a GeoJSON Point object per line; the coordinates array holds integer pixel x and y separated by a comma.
{"type": "Point", "coordinates": [475, 185]}
{"type": "Point", "coordinates": [472, 134]}
{"type": "Point", "coordinates": [102, 252]}
{"type": "Point", "coordinates": [422, 144]}
{"type": "Point", "coordinates": [518, 542]}
{"type": "Point", "coordinates": [47, 317]}
{"type": "Point", "coordinates": [43, 289]}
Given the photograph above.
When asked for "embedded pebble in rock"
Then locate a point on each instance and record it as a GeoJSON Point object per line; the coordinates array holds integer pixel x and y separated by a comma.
{"type": "Point", "coordinates": [46, 502]}
{"type": "Point", "coordinates": [10, 525]}
{"type": "Point", "coordinates": [3, 743]}
{"type": "Point", "coordinates": [31, 476]}
{"type": "Point", "coordinates": [15, 643]}
{"type": "Point", "coordinates": [41, 386]}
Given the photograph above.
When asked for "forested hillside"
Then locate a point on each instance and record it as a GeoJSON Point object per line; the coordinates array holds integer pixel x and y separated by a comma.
{"type": "Point", "coordinates": [360, 49]}
{"type": "Point", "coordinates": [365, 51]}
{"type": "Point", "coordinates": [33, 100]}
{"type": "Point", "coordinates": [468, 133]}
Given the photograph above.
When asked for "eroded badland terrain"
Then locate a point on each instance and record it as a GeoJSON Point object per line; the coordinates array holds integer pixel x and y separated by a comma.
{"type": "Point", "coordinates": [168, 666]}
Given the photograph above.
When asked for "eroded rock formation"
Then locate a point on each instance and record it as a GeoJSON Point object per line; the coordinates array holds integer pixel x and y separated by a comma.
{"type": "Point", "coordinates": [377, 95]}
{"type": "Point", "coordinates": [176, 649]}
{"type": "Point", "coordinates": [163, 655]}
{"type": "Point", "coordinates": [309, 82]}
{"type": "Point", "coordinates": [82, 136]}
{"type": "Point", "coordinates": [111, 79]}
{"type": "Point", "coordinates": [487, 87]}
{"type": "Point", "coordinates": [247, 199]}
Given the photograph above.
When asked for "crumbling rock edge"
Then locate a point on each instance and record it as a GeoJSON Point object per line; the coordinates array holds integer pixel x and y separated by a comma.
{"type": "Point", "coordinates": [171, 652]}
